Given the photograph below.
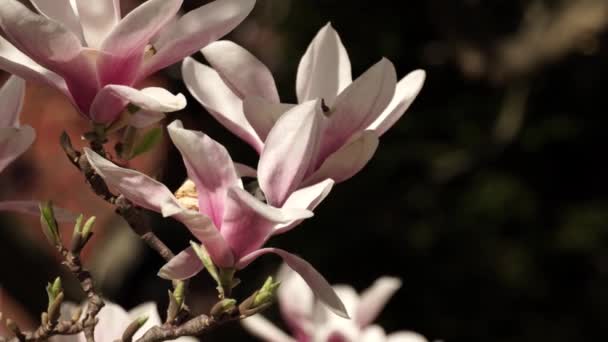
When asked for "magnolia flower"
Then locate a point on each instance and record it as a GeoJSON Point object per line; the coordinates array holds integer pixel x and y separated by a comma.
{"type": "Point", "coordinates": [240, 92]}
{"type": "Point", "coordinates": [232, 224]}
{"type": "Point", "coordinates": [92, 55]}
{"type": "Point", "coordinates": [310, 322]}
{"type": "Point", "coordinates": [114, 320]}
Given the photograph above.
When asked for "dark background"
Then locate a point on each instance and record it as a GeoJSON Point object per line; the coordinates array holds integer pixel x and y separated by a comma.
{"type": "Point", "coordinates": [488, 198]}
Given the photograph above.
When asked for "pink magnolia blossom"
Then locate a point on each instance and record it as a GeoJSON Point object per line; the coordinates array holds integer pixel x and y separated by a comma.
{"type": "Point", "coordinates": [114, 320]}
{"type": "Point", "coordinates": [232, 224]}
{"type": "Point", "coordinates": [87, 51]}
{"type": "Point", "coordinates": [240, 92]}
{"type": "Point", "coordinates": [310, 322]}
{"type": "Point", "coordinates": [15, 139]}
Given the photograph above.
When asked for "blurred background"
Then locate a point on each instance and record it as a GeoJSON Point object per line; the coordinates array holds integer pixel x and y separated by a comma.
{"type": "Point", "coordinates": [488, 198]}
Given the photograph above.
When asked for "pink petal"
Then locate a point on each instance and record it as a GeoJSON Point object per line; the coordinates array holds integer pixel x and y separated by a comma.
{"type": "Point", "coordinates": [289, 151]}
{"type": "Point", "coordinates": [195, 30]}
{"type": "Point", "coordinates": [296, 302]}
{"type": "Point", "coordinates": [374, 299]}
{"type": "Point", "coordinates": [33, 208]}
{"type": "Point", "coordinates": [112, 99]}
{"type": "Point", "coordinates": [185, 265]}
{"type": "Point", "coordinates": [63, 12]}
{"type": "Point", "coordinates": [97, 18]}
{"type": "Point", "coordinates": [124, 47]}
{"type": "Point", "coordinates": [13, 142]}
{"type": "Point", "coordinates": [262, 115]}
{"type": "Point", "coordinates": [248, 222]}
{"type": "Point", "coordinates": [53, 46]}
{"type": "Point", "coordinates": [209, 166]}
{"type": "Point", "coordinates": [15, 62]}
{"type": "Point", "coordinates": [324, 70]}
{"type": "Point", "coordinates": [305, 198]}
{"type": "Point", "coordinates": [242, 72]}
{"type": "Point", "coordinates": [243, 170]}
{"type": "Point", "coordinates": [145, 118]}
{"type": "Point", "coordinates": [405, 336]}
{"type": "Point", "coordinates": [348, 160]}
{"type": "Point", "coordinates": [153, 195]}
{"type": "Point", "coordinates": [407, 90]}
{"type": "Point", "coordinates": [360, 104]}
{"type": "Point", "coordinates": [319, 286]}
{"type": "Point", "coordinates": [263, 329]}
{"type": "Point", "coordinates": [11, 101]}
{"type": "Point", "coordinates": [208, 88]}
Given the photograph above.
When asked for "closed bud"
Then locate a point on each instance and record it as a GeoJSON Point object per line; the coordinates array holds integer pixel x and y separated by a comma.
{"type": "Point", "coordinates": [132, 329]}
{"type": "Point", "coordinates": [202, 254]}
{"type": "Point", "coordinates": [49, 223]}
{"type": "Point", "coordinates": [267, 293]}
{"type": "Point", "coordinates": [53, 290]}
{"type": "Point", "coordinates": [222, 307]}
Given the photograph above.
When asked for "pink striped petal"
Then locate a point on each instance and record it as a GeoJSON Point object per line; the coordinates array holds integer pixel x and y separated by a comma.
{"type": "Point", "coordinates": [374, 299]}
{"type": "Point", "coordinates": [208, 88]}
{"type": "Point", "coordinates": [319, 286]}
{"type": "Point", "coordinates": [324, 70]}
{"type": "Point", "coordinates": [124, 47]}
{"type": "Point", "coordinates": [97, 18]}
{"type": "Point", "coordinates": [242, 72]}
{"type": "Point", "coordinates": [264, 329]}
{"type": "Point", "coordinates": [13, 142]}
{"type": "Point", "coordinates": [348, 160]}
{"type": "Point", "coordinates": [305, 198]}
{"type": "Point", "coordinates": [53, 46]}
{"type": "Point", "coordinates": [360, 104]}
{"type": "Point", "coordinates": [153, 195]}
{"type": "Point", "coordinates": [262, 115]}
{"type": "Point", "coordinates": [33, 208]}
{"type": "Point", "coordinates": [185, 265]}
{"type": "Point", "coordinates": [195, 30]}
{"type": "Point", "coordinates": [16, 62]}
{"type": "Point", "coordinates": [407, 90]}
{"type": "Point", "coordinates": [63, 12]}
{"type": "Point", "coordinates": [112, 99]}
{"type": "Point", "coordinates": [209, 166]}
{"type": "Point", "coordinates": [289, 151]}
{"type": "Point", "coordinates": [11, 101]}
{"type": "Point", "coordinates": [248, 222]}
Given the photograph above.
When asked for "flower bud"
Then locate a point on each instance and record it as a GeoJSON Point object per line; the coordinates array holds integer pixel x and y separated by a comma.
{"type": "Point", "coordinates": [222, 307]}
{"type": "Point", "coordinates": [49, 223]}
{"type": "Point", "coordinates": [132, 329]}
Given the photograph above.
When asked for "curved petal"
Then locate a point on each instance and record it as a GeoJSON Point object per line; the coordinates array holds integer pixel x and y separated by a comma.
{"type": "Point", "coordinates": [17, 63]}
{"type": "Point", "coordinates": [242, 72]}
{"type": "Point", "coordinates": [406, 336]}
{"type": "Point", "coordinates": [262, 328]}
{"type": "Point", "coordinates": [13, 142]}
{"type": "Point", "coordinates": [208, 88]}
{"type": "Point", "coordinates": [262, 115]}
{"type": "Point", "coordinates": [145, 118]}
{"type": "Point", "coordinates": [33, 208]}
{"type": "Point", "coordinates": [248, 221]}
{"type": "Point", "coordinates": [124, 47]}
{"type": "Point", "coordinates": [63, 12]}
{"type": "Point", "coordinates": [97, 18]}
{"type": "Point", "coordinates": [348, 160]}
{"type": "Point", "coordinates": [112, 99]}
{"type": "Point", "coordinates": [12, 94]}
{"type": "Point", "coordinates": [209, 166]}
{"type": "Point", "coordinates": [360, 104]}
{"type": "Point", "coordinates": [53, 46]}
{"type": "Point", "coordinates": [113, 320]}
{"type": "Point", "coordinates": [185, 265]}
{"type": "Point", "coordinates": [319, 286]}
{"type": "Point", "coordinates": [243, 170]}
{"type": "Point", "coordinates": [305, 198]}
{"type": "Point", "coordinates": [405, 93]}
{"type": "Point", "coordinates": [289, 151]}
{"type": "Point", "coordinates": [195, 30]}
{"type": "Point", "coordinates": [374, 299]}
{"type": "Point", "coordinates": [373, 333]}
{"type": "Point", "coordinates": [150, 194]}
{"type": "Point", "coordinates": [324, 70]}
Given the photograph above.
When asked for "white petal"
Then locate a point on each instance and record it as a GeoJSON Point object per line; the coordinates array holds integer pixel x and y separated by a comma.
{"type": "Point", "coordinates": [63, 12]}
{"type": "Point", "coordinates": [262, 328]}
{"type": "Point", "coordinates": [406, 336]}
{"type": "Point", "coordinates": [145, 118]}
{"type": "Point", "coordinates": [98, 18]}
{"type": "Point", "coordinates": [11, 101]}
{"type": "Point", "coordinates": [208, 88]}
{"type": "Point", "coordinates": [405, 93]}
{"type": "Point", "coordinates": [14, 142]}
{"type": "Point", "coordinates": [262, 114]}
{"type": "Point", "coordinates": [244, 74]}
{"type": "Point", "coordinates": [374, 299]}
{"type": "Point", "coordinates": [373, 333]}
{"type": "Point", "coordinates": [324, 70]}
